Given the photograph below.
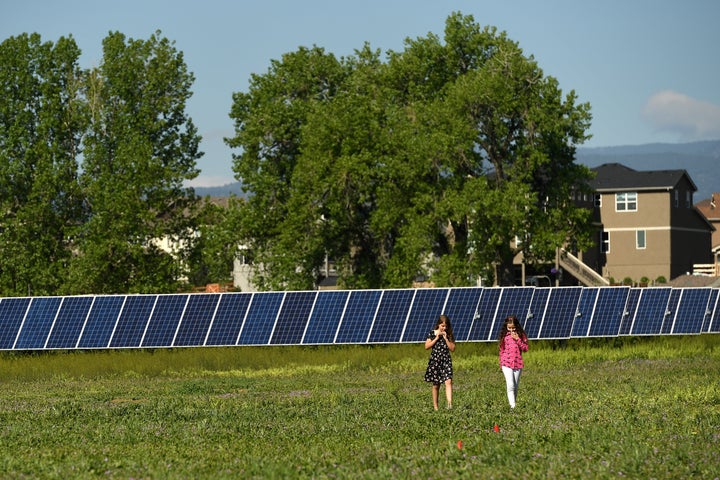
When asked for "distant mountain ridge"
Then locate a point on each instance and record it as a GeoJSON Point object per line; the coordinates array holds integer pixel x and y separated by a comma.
{"type": "Point", "coordinates": [700, 159]}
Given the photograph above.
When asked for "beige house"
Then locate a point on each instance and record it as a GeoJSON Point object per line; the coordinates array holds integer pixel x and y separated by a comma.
{"type": "Point", "coordinates": [710, 208]}
{"type": "Point", "coordinates": [648, 226]}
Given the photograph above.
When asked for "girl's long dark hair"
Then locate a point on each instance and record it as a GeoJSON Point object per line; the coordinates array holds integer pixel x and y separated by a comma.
{"type": "Point", "coordinates": [504, 329]}
{"type": "Point", "coordinates": [448, 326]}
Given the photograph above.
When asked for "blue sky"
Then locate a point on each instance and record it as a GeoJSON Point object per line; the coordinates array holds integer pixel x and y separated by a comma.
{"type": "Point", "coordinates": [649, 68]}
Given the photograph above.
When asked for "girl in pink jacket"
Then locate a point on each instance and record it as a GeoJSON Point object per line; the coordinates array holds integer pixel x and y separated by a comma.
{"type": "Point", "coordinates": [513, 342]}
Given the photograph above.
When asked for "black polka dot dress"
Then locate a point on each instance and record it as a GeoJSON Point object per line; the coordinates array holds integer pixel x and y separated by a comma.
{"type": "Point", "coordinates": [440, 366]}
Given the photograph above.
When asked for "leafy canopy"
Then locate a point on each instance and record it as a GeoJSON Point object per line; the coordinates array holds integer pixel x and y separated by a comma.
{"type": "Point", "coordinates": [430, 163]}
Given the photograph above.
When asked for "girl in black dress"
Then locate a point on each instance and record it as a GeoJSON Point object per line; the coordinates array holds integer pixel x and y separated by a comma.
{"type": "Point", "coordinates": [440, 369]}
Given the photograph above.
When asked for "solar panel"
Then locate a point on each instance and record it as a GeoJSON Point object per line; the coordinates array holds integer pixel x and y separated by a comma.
{"type": "Point", "coordinates": [608, 313]}
{"type": "Point", "coordinates": [100, 323]}
{"type": "Point", "coordinates": [652, 308]}
{"type": "Point", "coordinates": [164, 320]}
{"type": "Point", "coordinates": [12, 314]}
{"type": "Point", "coordinates": [712, 315]}
{"type": "Point", "coordinates": [461, 307]}
{"type": "Point", "coordinates": [357, 316]}
{"type": "Point", "coordinates": [229, 318]}
{"type": "Point", "coordinates": [261, 317]}
{"type": "Point", "coordinates": [513, 301]}
{"type": "Point", "coordinates": [671, 312]}
{"type": "Point", "coordinates": [560, 312]}
{"type": "Point", "coordinates": [691, 310]}
{"type": "Point", "coordinates": [535, 315]}
{"type": "Point", "coordinates": [391, 316]}
{"type": "Point", "coordinates": [196, 320]}
{"type": "Point", "coordinates": [485, 314]}
{"type": "Point", "coordinates": [38, 322]}
{"type": "Point", "coordinates": [294, 315]}
{"type": "Point", "coordinates": [427, 306]}
{"type": "Point", "coordinates": [325, 317]}
{"type": "Point", "coordinates": [133, 321]}
{"type": "Point", "coordinates": [69, 323]}
{"type": "Point", "coordinates": [585, 311]}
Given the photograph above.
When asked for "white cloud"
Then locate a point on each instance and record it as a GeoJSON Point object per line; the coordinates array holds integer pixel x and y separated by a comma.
{"type": "Point", "coordinates": [691, 119]}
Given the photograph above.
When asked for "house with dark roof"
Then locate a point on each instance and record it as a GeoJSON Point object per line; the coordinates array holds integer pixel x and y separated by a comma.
{"type": "Point", "coordinates": [710, 208]}
{"type": "Point", "coordinates": [648, 226]}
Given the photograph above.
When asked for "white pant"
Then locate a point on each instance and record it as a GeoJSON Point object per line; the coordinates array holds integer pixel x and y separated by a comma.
{"type": "Point", "coordinates": [512, 380]}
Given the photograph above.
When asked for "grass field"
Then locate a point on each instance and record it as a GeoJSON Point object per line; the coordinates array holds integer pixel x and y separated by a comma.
{"type": "Point", "coordinates": [615, 408]}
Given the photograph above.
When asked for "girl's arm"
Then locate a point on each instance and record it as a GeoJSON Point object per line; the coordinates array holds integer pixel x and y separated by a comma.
{"type": "Point", "coordinates": [429, 342]}
{"type": "Point", "coordinates": [523, 343]}
{"type": "Point", "coordinates": [451, 345]}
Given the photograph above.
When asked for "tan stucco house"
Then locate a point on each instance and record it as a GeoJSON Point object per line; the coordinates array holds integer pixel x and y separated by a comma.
{"type": "Point", "coordinates": [710, 208]}
{"type": "Point", "coordinates": [648, 226]}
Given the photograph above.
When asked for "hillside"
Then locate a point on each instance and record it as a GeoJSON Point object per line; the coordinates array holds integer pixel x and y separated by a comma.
{"type": "Point", "coordinates": [700, 159]}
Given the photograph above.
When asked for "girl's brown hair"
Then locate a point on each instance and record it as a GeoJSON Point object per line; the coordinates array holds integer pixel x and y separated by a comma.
{"type": "Point", "coordinates": [448, 327]}
{"type": "Point", "coordinates": [504, 329]}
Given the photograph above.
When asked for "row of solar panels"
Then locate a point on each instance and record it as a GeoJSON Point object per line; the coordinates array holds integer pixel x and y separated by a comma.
{"type": "Point", "coordinates": [349, 316]}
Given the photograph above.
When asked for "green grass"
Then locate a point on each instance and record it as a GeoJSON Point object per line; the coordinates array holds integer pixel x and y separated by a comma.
{"type": "Point", "coordinates": [617, 408]}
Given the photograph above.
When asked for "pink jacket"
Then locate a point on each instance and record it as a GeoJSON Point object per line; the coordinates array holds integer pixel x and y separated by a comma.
{"type": "Point", "coordinates": [511, 351]}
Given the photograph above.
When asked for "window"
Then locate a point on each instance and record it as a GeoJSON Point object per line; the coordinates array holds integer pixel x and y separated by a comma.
{"type": "Point", "coordinates": [598, 200]}
{"type": "Point", "coordinates": [626, 202]}
{"type": "Point", "coordinates": [688, 199]}
{"type": "Point", "coordinates": [604, 242]}
{"type": "Point", "coordinates": [677, 199]}
{"type": "Point", "coordinates": [640, 239]}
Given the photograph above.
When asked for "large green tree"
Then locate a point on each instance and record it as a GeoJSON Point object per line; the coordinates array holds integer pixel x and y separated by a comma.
{"type": "Point", "coordinates": [42, 118]}
{"type": "Point", "coordinates": [140, 149]}
{"type": "Point", "coordinates": [431, 163]}
{"type": "Point", "coordinates": [268, 121]}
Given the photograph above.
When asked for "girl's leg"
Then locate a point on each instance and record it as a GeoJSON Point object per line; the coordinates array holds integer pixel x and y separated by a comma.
{"type": "Point", "coordinates": [510, 384]}
{"type": "Point", "coordinates": [435, 392]}
{"type": "Point", "coordinates": [448, 392]}
{"type": "Point", "coordinates": [516, 374]}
